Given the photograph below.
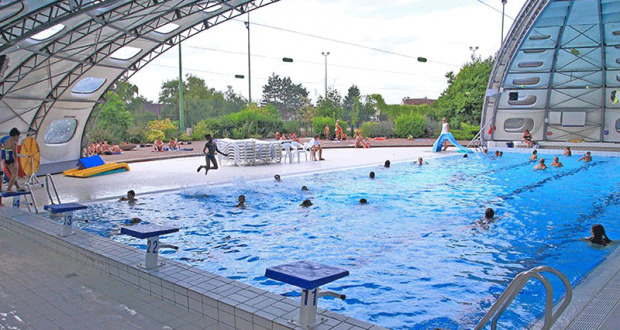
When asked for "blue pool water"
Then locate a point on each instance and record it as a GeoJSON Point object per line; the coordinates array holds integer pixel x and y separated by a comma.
{"type": "Point", "coordinates": [417, 255]}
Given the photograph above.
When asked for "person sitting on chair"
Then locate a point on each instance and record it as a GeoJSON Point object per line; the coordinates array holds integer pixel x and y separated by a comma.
{"type": "Point", "coordinates": [527, 138]}
{"type": "Point", "coordinates": [316, 146]}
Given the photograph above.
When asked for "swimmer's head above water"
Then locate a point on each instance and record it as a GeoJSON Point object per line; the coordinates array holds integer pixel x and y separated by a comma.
{"type": "Point", "coordinates": [489, 213]}
{"type": "Point", "coordinates": [277, 177]}
{"type": "Point", "coordinates": [304, 188]}
{"type": "Point", "coordinates": [387, 163]}
{"type": "Point", "coordinates": [306, 203]}
{"type": "Point", "coordinates": [363, 201]}
{"type": "Point", "coordinates": [372, 175]}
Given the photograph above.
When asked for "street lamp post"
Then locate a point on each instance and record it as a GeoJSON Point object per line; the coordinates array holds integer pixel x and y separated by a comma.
{"type": "Point", "coordinates": [473, 52]}
{"type": "Point", "coordinates": [503, 10]}
{"type": "Point", "coordinates": [247, 26]}
{"type": "Point", "coordinates": [325, 54]}
{"type": "Point", "coordinates": [181, 110]}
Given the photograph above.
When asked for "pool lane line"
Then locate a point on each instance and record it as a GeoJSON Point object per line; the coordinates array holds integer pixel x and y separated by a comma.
{"type": "Point", "coordinates": [549, 179]}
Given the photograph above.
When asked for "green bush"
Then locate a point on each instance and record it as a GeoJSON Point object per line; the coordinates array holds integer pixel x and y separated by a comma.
{"type": "Point", "coordinates": [250, 122]}
{"type": "Point", "coordinates": [292, 126]}
{"type": "Point", "coordinates": [155, 134]}
{"type": "Point", "coordinates": [318, 125]}
{"type": "Point", "coordinates": [136, 135]}
{"type": "Point", "coordinates": [100, 134]}
{"type": "Point", "coordinates": [467, 132]}
{"type": "Point", "coordinates": [377, 129]}
{"type": "Point", "coordinates": [412, 124]}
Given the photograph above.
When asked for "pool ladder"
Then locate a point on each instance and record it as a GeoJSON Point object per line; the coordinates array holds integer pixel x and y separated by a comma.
{"type": "Point", "coordinates": [515, 287]}
{"type": "Point", "coordinates": [49, 179]}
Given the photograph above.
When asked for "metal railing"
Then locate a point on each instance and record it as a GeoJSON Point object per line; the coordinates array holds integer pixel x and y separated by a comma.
{"type": "Point", "coordinates": [515, 287]}
{"type": "Point", "coordinates": [49, 179]}
{"type": "Point", "coordinates": [478, 138]}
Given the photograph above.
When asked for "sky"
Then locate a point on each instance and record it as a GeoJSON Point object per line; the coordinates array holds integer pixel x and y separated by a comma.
{"type": "Point", "coordinates": [371, 44]}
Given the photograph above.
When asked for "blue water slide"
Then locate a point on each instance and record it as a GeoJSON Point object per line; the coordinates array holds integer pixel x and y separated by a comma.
{"type": "Point", "coordinates": [448, 136]}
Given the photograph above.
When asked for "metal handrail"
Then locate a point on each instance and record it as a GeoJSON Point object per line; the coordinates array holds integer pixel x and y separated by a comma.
{"type": "Point", "coordinates": [515, 287]}
{"type": "Point", "coordinates": [48, 179]}
{"type": "Point", "coordinates": [479, 134]}
{"type": "Point", "coordinates": [34, 200]}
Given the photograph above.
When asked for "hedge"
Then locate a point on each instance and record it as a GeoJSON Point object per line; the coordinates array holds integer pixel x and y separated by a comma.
{"type": "Point", "coordinates": [409, 125]}
{"type": "Point", "coordinates": [377, 129]}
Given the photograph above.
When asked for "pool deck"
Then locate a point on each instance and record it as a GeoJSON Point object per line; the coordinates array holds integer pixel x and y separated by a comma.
{"type": "Point", "coordinates": [86, 281]}
{"type": "Point", "coordinates": [90, 282]}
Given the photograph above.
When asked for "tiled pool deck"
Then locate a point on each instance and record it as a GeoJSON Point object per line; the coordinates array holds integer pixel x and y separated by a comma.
{"type": "Point", "coordinates": [86, 281]}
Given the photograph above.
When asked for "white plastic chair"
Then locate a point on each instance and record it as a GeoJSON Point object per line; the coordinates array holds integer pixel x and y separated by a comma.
{"type": "Point", "coordinates": [299, 148]}
{"type": "Point", "coordinates": [308, 148]}
{"type": "Point", "coordinates": [286, 152]}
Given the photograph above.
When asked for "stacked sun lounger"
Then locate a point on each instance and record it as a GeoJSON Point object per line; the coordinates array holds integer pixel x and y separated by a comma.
{"type": "Point", "coordinates": [249, 152]}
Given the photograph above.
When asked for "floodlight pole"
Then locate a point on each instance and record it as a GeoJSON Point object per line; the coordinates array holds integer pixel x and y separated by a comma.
{"type": "Point", "coordinates": [247, 26]}
{"type": "Point", "coordinates": [181, 110]}
{"type": "Point", "coordinates": [503, 15]}
{"type": "Point", "coordinates": [325, 54]}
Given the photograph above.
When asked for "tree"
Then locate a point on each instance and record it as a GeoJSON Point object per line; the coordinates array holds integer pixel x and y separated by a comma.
{"type": "Point", "coordinates": [116, 116]}
{"type": "Point", "coordinates": [349, 106]}
{"type": "Point", "coordinates": [462, 101]}
{"type": "Point", "coordinates": [199, 100]}
{"type": "Point", "coordinates": [285, 96]}
{"type": "Point", "coordinates": [330, 106]}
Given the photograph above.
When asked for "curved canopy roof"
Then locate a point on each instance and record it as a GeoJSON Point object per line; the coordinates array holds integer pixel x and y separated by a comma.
{"type": "Point", "coordinates": [64, 55]}
{"type": "Point", "coordinates": [558, 74]}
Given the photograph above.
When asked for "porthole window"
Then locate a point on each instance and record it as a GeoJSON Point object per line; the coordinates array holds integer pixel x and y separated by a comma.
{"type": "Point", "coordinates": [60, 131]}
{"type": "Point", "coordinates": [125, 53]}
{"type": "Point", "coordinates": [88, 85]}
{"type": "Point", "coordinates": [46, 34]}
{"type": "Point", "coordinates": [515, 125]}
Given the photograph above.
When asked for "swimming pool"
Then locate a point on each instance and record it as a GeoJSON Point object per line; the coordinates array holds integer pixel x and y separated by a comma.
{"type": "Point", "coordinates": [417, 257]}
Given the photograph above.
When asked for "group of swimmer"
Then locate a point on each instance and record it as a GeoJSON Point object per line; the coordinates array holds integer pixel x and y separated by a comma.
{"type": "Point", "coordinates": [556, 161]}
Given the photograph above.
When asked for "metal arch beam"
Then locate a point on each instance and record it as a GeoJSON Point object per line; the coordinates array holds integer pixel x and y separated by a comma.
{"type": "Point", "coordinates": [153, 54]}
{"type": "Point", "coordinates": [108, 48]}
{"type": "Point", "coordinates": [45, 17]}
{"type": "Point", "coordinates": [73, 36]}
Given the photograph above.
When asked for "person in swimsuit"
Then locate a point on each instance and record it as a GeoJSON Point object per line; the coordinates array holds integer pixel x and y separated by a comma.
{"type": "Point", "coordinates": [10, 149]}
{"type": "Point", "coordinates": [556, 162]}
{"type": "Point", "coordinates": [527, 138]}
{"type": "Point", "coordinates": [445, 128]}
{"type": "Point", "coordinates": [241, 201]}
{"type": "Point", "coordinates": [278, 135]}
{"type": "Point", "coordinates": [158, 145]}
{"type": "Point", "coordinates": [359, 141]}
{"type": "Point", "coordinates": [327, 132]}
{"type": "Point", "coordinates": [210, 155]}
{"type": "Point", "coordinates": [567, 152]}
{"type": "Point", "coordinates": [131, 197]}
{"type": "Point", "coordinates": [598, 235]}
{"type": "Point", "coordinates": [541, 165]}
{"type": "Point", "coordinates": [338, 129]}
{"type": "Point", "coordinates": [534, 155]}
{"type": "Point", "coordinates": [586, 158]}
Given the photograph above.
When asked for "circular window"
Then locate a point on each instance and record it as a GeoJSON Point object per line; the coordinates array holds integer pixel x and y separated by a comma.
{"type": "Point", "coordinates": [60, 131]}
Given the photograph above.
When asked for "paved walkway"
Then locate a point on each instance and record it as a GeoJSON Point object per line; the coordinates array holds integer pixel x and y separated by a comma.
{"type": "Point", "coordinates": [40, 289]}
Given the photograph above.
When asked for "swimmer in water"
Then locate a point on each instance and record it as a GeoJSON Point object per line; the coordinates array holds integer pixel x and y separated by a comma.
{"type": "Point", "coordinates": [496, 153]}
{"type": "Point", "coordinates": [420, 161]}
{"type": "Point", "coordinates": [277, 177]}
{"type": "Point", "coordinates": [306, 203]}
{"type": "Point", "coordinates": [387, 163]}
{"type": "Point", "coordinates": [534, 155]}
{"type": "Point", "coordinates": [241, 201]}
{"type": "Point", "coordinates": [131, 197]}
{"type": "Point", "coordinates": [372, 175]}
{"type": "Point", "coordinates": [598, 235]}
{"type": "Point", "coordinates": [485, 151]}
{"type": "Point", "coordinates": [304, 188]}
{"type": "Point", "coordinates": [586, 158]}
{"type": "Point", "coordinates": [541, 165]}
{"type": "Point", "coordinates": [567, 152]}
{"type": "Point", "coordinates": [501, 153]}
{"type": "Point", "coordinates": [363, 201]}
{"type": "Point", "coordinates": [556, 162]}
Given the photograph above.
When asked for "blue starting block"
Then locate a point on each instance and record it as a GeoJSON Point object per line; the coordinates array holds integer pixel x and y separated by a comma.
{"type": "Point", "coordinates": [151, 233]}
{"type": "Point", "coordinates": [16, 197]}
{"type": "Point", "coordinates": [66, 209]}
{"type": "Point", "coordinates": [308, 276]}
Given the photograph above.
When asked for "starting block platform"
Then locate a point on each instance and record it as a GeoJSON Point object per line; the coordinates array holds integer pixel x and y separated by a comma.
{"type": "Point", "coordinates": [308, 276]}
{"type": "Point", "coordinates": [151, 233]}
{"type": "Point", "coordinates": [66, 209]}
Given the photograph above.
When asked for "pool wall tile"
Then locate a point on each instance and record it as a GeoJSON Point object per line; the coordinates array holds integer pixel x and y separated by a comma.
{"type": "Point", "coordinates": [234, 304]}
